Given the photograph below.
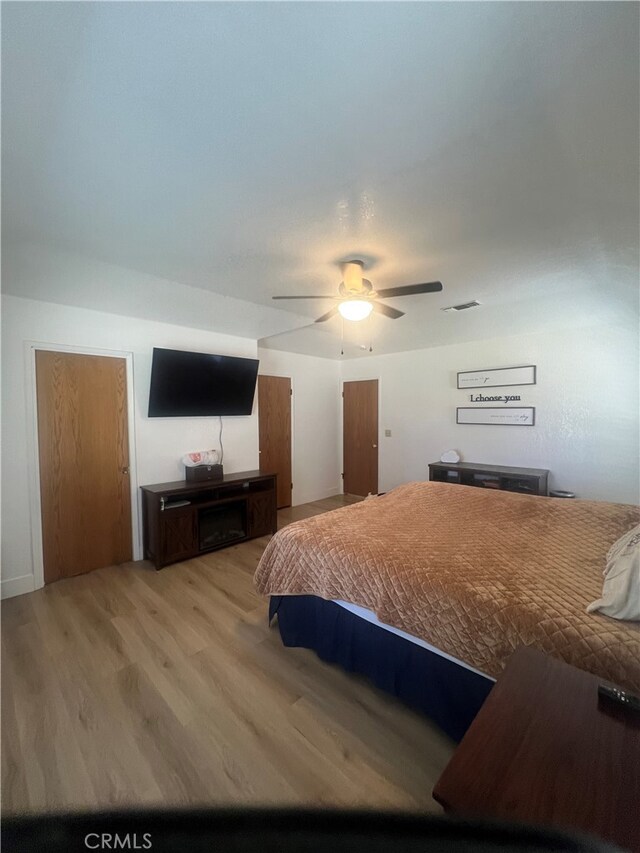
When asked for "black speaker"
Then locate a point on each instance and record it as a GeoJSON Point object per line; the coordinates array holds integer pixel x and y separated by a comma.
{"type": "Point", "coordinates": [203, 472]}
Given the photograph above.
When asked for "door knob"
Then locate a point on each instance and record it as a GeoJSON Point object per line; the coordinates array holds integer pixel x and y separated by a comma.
{"type": "Point", "coordinates": [125, 470]}
{"type": "Point", "coordinates": [374, 445]}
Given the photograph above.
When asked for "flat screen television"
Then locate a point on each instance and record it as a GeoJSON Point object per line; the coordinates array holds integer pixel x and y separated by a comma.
{"type": "Point", "coordinates": [200, 384]}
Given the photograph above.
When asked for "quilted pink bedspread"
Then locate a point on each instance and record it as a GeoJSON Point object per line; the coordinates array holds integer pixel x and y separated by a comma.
{"type": "Point", "coordinates": [474, 572]}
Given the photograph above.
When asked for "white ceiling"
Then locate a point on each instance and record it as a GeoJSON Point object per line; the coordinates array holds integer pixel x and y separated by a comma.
{"type": "Point", "coordinates": [246, 148]}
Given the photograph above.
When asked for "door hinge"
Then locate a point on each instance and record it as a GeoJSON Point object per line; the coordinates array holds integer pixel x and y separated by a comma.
{"type": "Point", "coordinates": [291, 485]}
{"type": "Point", "coordinates": [342, 475]}
{"type": "Point", "coordinates": [291, 392]}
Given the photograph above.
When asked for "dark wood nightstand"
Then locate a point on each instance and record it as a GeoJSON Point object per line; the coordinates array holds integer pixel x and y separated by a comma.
{"type": "Point", "coordinates": [543, 751]}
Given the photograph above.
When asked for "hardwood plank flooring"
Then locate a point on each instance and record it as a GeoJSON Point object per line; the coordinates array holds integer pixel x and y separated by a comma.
{"type": "Point", "coordinates": [128, 686]}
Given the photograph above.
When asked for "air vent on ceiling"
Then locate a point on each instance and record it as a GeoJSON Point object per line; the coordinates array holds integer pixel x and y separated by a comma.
{"type": "Point", "coordinates": [462, 307]}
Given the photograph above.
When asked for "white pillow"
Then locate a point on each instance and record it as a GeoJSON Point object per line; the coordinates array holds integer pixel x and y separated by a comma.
{"type": "Point", "coordinates": [621, 588]}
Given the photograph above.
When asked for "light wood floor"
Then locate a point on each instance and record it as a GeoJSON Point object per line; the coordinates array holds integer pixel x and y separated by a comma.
{"type": "Point", "coordinates": [129, 686]}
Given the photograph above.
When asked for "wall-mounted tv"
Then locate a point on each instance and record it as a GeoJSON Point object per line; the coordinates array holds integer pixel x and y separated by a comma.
{"type": "Point", "coordinates": [199, 384]}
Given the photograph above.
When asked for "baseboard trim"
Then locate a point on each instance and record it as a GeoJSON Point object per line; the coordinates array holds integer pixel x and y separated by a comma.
{"type": "Point", "coordinates": [11, 587]}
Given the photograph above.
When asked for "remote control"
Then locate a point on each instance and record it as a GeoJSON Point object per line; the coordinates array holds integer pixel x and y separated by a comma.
{"type": "Point", "coordinates": [620, 697]}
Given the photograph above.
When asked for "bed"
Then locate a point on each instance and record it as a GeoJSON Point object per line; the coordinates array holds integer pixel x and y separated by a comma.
{"type": "Point", "coordinates": [457, 573]}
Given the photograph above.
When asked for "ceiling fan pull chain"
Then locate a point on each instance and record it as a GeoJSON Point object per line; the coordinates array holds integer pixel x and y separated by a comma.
{"type": "Point", "coordinates": [342, 339]}
{"type": "Point", "coordinates": [370, 336]}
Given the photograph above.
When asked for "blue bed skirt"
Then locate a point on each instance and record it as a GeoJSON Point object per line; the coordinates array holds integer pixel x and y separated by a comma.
{"type": "Point", "coordinates": [448, 693]}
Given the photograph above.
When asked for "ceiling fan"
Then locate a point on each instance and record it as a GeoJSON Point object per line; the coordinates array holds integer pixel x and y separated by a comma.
{"type": "Point", "coordinates": [357, 298]}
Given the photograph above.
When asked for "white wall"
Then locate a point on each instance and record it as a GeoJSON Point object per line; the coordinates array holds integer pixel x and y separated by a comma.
{"type": "Point", "coordinates": [315, 421]}
{"type": "Point", "coordinates": [586, 401]}
{"type": "Point", "coordinates": [159, 442]}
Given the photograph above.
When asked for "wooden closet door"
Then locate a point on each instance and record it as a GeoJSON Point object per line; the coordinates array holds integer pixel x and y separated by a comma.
{"type": "Point", "coordinates": [360, 437]}
{"type": "Point", "coordinates": [84, 462]}
{"type": "Point", "coordinates": [274, 415]}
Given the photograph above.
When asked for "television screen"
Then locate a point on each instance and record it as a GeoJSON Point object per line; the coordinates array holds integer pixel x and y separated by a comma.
{"type": "Point", "coordinates": [199, 384]}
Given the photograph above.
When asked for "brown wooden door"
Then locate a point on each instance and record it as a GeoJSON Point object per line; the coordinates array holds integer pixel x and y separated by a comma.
{"type": "Point", "coordinates": [360, 437]}
{"type": "Point", "coordinates": [274, 414]}
{"type": "Point", "coordinates": [84, 462]}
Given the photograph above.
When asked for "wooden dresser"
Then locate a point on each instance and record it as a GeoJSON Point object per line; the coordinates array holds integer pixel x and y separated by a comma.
{"type": "Point", "coordinates": [531, 481]}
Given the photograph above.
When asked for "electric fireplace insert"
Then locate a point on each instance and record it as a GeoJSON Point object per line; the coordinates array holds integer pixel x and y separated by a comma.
{"type": "Point", "coordinates": [219, 525]}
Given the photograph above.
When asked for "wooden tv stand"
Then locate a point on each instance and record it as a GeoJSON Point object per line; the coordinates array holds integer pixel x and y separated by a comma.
{"type": "Point", "coordinates": [183, 520]}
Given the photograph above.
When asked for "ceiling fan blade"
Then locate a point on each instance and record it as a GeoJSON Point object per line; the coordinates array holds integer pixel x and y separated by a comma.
{"type": "Point", "coordinates": [411, 289]}
{"type": "Point", "coordinates": [387, 310]}
{"type": "Point", "coordinates": [327, 316]}
{"type": "Point", "coordinates": [304, 297]}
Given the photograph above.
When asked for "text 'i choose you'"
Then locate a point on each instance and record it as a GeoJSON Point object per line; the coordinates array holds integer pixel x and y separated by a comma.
{"type": "Point", "coordinates": [506, 398]}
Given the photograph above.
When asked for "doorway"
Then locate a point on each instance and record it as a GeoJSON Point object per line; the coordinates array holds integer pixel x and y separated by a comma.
{"type": "Point", "coordinates": [83, 452]}
{"type": "Point", "coordinates": [274, 416]}
{"type": "Point", "coordinates": [360, 437]}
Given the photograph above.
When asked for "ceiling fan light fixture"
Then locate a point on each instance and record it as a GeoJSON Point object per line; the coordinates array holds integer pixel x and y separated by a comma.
{"type": "Point", "coordinates": [355, 309]}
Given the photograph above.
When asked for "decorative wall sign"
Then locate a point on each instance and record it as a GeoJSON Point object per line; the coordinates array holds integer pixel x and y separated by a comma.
{"type": "Point", "coordinates": [525, 416]}
{"type": "Point", "coordinates": [495, 398]}
{"type": "Point", "coordinates": [496, 377]}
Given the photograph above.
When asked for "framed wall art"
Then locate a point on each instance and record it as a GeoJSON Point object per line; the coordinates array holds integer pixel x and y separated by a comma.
{"type": "Point", "coordinates": [497, 377]}
{"type": "Point", "coordinates": [497, 416]}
